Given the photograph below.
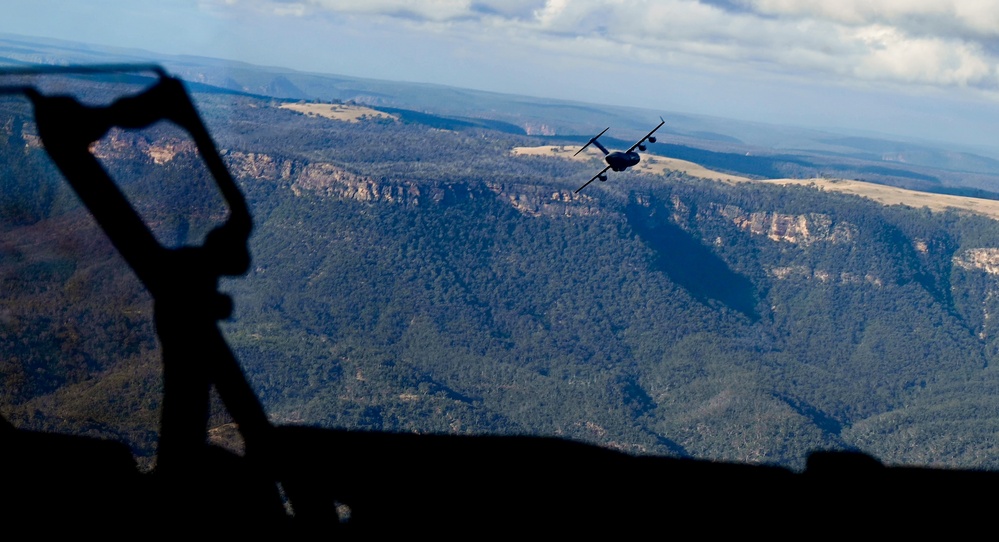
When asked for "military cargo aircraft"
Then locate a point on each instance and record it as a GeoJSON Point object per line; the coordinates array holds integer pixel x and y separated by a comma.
{"type": "Point", "coordinates": [618, 160]}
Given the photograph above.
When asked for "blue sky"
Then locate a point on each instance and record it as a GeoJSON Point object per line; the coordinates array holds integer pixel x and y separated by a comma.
{"type": "Point", "coordinates": [924, 69]}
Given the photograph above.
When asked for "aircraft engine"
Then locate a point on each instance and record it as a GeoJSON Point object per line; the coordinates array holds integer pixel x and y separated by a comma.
{"type": "Point", "coordinates": [641, 147]}
{"type": "Point", "coordinates": [602, 178]}
{"type": "Point", "coordinates": [652, 139]}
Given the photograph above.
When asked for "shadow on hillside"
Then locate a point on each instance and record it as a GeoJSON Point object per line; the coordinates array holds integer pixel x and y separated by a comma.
{"type": "Point", "coordinates": [692, 265]}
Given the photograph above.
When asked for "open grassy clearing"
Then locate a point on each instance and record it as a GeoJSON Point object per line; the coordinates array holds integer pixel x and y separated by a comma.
{"type": "Point", "coordinates": [342, 112]}
{"type": "Point", "coordinates": [890, 195]}
{"type": "Point", "coordinates": [886, 195]}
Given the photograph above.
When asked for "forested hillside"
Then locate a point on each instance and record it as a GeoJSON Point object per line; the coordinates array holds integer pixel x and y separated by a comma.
{"type": "Point", "coordinates": [418, 279]}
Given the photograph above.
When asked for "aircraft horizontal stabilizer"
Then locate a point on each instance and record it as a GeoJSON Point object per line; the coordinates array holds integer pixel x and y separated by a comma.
{"type": "Point", "coordinates": [593, 140]}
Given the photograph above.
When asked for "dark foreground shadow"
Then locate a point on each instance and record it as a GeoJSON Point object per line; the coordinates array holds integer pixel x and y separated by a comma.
{"type": "Point", "coordinates": [301, 481]}
{"type": "Point", "coordinates": [357, 484]}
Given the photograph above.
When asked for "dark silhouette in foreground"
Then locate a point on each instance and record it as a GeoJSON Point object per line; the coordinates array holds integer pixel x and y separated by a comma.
{"type": "Point", "coordinates": [305, 480]}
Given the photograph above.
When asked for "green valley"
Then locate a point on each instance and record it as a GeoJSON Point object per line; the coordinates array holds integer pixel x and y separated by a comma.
{"type": "Point", "coordinates": [411, 277]}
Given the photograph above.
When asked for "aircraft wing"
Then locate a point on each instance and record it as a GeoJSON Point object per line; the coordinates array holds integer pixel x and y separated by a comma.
{"type": "Point", "coordinates": [602, 171]}
{"type": "Point", "coordinates": [648, 135]}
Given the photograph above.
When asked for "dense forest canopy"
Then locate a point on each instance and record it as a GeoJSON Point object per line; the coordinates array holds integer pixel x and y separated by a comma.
{"type": "Point", "coordinates": [418, 279]}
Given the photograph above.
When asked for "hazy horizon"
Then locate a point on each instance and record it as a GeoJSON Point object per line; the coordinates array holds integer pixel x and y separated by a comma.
{"type": "Point", "coordinates": [926, 72]}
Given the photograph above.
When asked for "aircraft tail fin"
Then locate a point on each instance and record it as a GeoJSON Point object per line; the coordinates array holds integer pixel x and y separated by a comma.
{"type": "Point", "coordinates": [594, 141]}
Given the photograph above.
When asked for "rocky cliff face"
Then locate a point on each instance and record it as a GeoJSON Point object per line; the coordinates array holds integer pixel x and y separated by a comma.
{"type": "Point", "coordinates": [160, 150]}
{"type": "Point", "coordinates": [983, 260]}
{"type": "Point", "coordinates": [980, 259]}
{"type": "Point", "coordinates": [258, 166]}
{"type": "Point", "coordinates": [803, 229]}
{"type": "Point", "coordinates": [535, 200]}
{"type": "Point", "coordinates": [800, 271]}
{"type": "Point", "coordinates": [538, 128]}
{"type": "Point", "coordinates": [328, 180]}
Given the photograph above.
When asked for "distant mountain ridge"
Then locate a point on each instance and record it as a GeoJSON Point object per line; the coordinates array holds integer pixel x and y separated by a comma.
{"type": "Point", "coordinates": [540, 116]}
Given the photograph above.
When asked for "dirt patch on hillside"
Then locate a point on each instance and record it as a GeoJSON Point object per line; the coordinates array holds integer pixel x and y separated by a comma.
{"type": "Point", "coordinates": [341, 112]}
{"type": "Point", "coordinates": [886, 195]}
{"type": "Point", "coordinates": [890, 195]}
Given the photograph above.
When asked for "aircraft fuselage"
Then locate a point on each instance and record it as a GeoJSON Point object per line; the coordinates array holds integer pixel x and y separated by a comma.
{"type": "Point", "coordinates": [620, 161]}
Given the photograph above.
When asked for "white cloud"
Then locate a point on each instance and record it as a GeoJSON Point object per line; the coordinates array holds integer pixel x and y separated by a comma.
{"type": "Point", "coordinates": [934, 61]}
{"type": "Point", "coordinates": [911, 42]}
{"type": "Point", "coordinates": [941, 17]}
{"type": "Point", "coordinates": [429, 10]}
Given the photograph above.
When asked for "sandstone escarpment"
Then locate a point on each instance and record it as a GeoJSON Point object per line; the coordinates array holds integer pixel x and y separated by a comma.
{"type": "Point", "coordinates": [981, 259]}
{"type": "Point", "coordinates": [801, 229]}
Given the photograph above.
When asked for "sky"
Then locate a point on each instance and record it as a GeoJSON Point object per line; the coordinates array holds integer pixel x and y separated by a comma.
{"type": "Point", "coordinates": [920, 69]}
